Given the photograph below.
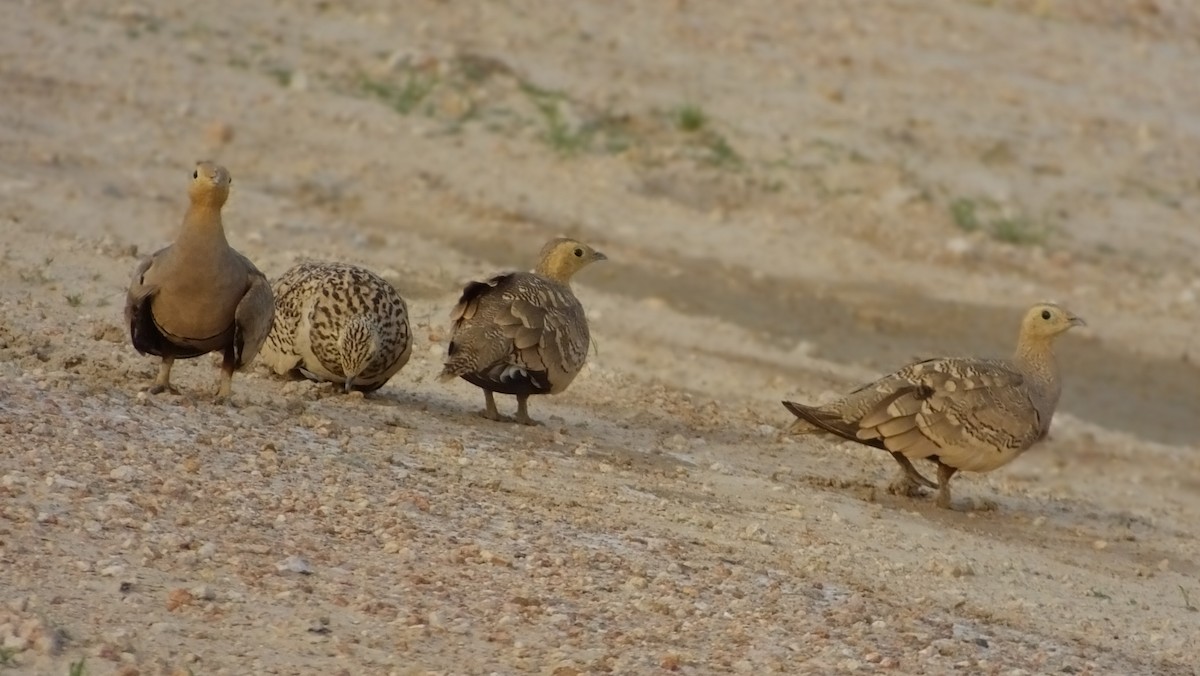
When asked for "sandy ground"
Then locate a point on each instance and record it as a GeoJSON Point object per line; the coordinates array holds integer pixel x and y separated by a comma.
{"type": "Point", "coordinates": [794, 197]}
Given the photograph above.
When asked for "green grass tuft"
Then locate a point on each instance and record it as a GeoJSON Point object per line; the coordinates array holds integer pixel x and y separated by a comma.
{"type": "Point", "coordinates": [1020, 231]}
{"type": "Point", "coordinates": [721, 154]}
{"type": "Point", "coordinates": [690, 118]}
{"type": "Point", "coordinates": [965, 214]}
{"type": "Point", "coordinates": [281, 75]}
{"type": "Point", "coordinates": [985, 216]}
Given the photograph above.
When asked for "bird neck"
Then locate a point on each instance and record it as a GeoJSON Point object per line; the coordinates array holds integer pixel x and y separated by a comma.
{"type": "Point", "coordinates": [554, 270]}
{"type": "Point", "coordinates": [202, 226]}
{"type": "Point", "coordinates": [1035, 357]}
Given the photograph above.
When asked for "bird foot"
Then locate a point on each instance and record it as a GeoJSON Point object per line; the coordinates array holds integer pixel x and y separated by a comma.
{"type": "Point", "coordinates": [973, 505]}
{"type": "Point", "coordinates": [158, 388]}
{"type": "Point", "coordinates": [984, 505]}
{"type": "Point", "coordinates": [966, 504]}
{"type": "Point", "coordinates": [491, 415]}
{"type": "Point", "coordinates": [904, 485]}
{"type": "Point", "coordinates": [526, 420]}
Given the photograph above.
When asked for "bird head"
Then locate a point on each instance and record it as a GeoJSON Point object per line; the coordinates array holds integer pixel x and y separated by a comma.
{"type": "Point", "coordinates": [1047, 319]}
{"type": "Point", "coordinates": [561, 258]}
{"type": "Point", "coordinates": [210, 184]}
{"type": "Point", "coordinates": [358, 342]}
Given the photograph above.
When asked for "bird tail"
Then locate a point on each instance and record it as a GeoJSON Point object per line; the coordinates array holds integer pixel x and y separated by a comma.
{"type": "Point", "coordinates": [812, 420]}
{"type": "Point", "coordinates": [458, 362]}
{"type": "Point", "coordinates": [450, 371]}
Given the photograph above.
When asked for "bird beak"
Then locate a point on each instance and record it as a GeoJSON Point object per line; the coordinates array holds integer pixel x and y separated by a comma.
{"type": "Point", "coordinates": [1077, 321]}
{"type": "Point", "coordinates": [597, 256]}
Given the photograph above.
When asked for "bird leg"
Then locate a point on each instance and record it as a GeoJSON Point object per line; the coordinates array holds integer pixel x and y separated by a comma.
{"type": "Point", "coordinates": [163, 382]}
{"type": "Point", "coordinates": [523, 411]}
{"type": "Point", "coordinates": [944, 473]}
{"type": "Point", "coordinates": [911, 472]}
{"type": "Point", "coordinates": [490, 411]}
{"type": "Point", "coordinates": [228, 366]}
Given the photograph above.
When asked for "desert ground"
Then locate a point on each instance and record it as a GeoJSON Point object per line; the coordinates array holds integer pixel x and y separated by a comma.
{"type": "Point", "coordinates": [795, 197]}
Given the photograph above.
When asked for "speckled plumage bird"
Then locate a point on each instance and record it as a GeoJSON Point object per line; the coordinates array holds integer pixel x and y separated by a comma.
{"type": "Point", "coordinates": [963, 414]}
{"type": "Point", "coordinates": [339, 323]}
{"type": "Point", "coordinates": [198, 295]}
{"type": "Point", "coordinates": [522, 333]}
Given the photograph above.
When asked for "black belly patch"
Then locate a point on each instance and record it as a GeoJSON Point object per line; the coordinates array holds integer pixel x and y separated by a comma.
{"type": "Point", "coordinates": [517, 382]}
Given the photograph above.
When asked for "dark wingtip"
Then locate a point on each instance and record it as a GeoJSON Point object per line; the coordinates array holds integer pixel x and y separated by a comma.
{"type": "Point", "coordinates": [793, 407]}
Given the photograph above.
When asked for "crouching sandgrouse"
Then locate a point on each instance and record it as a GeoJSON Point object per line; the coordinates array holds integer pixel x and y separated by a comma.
{"type": "Point", "coordinates": [338, 323]}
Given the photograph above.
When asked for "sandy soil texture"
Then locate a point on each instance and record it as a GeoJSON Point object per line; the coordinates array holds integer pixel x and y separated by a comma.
{"type": "Point", "coordinates": [794, 196]}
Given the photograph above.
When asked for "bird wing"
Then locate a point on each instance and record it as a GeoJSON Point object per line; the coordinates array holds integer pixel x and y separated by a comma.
{"type": "Point", "coordinates": [549, 331]}
{"type": "Point", "coordinates": [293, 291]}
{"type": "Point", "coordinates": [972, 414]}
{"type": "Point", "coordinates": [254, 316]}
{"type": "Point", "coordinates": [519, 326]}
{"type": "Point", "coordinates": [146, 337]}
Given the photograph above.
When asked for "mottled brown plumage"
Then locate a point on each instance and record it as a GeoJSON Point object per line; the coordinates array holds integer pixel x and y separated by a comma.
{"type": "Point", "coordinates": [198, 295]}
{"type": "Point", "coordinates": [338, 323]}
{"type": "Point", "coordinates": [522, 333]}
{"type": "Point", "coordinates": [963, 414]}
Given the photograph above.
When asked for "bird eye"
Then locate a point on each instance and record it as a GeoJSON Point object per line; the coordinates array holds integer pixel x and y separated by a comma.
{"type": "Point", "coordinates": [1045, 314]}
{"type": "Point", "coordinates": [196, 174]}
{"type": "Point", "coordinates": [579, 253]}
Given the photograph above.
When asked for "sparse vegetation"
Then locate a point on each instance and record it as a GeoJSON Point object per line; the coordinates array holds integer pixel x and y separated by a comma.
{"type": "Point", "coordinates": [963, 212]}
{"type": "Point", "coordinates": [33, 276]}
{"type": "Point", "coordinates": [1020, 230]}
{"type": "Point", "coordinates": [567, 126]}
{"type": "Point", "coordinates": [721, 154]}
{"type": "Point", "coordinates": [1187, 600]}
{"type": "Point", "coordinates": [1096, 593]}
{"type": "Point", "coordinates": [690, 118]}
{"type": "Point", "coordinates": [971, 215]}
{"type": "Point", "coordinates": [559, 133]}
{"type": "Point", "coordinates": [77, 668]}
{"type": "Point", "coordinates": [403, 98]}
{"type": "Point", "coordinates": [74, 299]}
{"type": "Point", "coordinates": [281, 75]}
{"type": "Point", "coordinates": [589, 131]}
{"type": "Point", "coordinates": [7, 656]}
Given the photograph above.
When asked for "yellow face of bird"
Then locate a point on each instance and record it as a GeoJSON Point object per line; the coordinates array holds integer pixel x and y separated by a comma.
{"type": "Point", "coordinates": [210, 184]}
{"type": "Point", "coordinates": [561, 258]}
{"type": "Point", "coordinates": [1046, 320]}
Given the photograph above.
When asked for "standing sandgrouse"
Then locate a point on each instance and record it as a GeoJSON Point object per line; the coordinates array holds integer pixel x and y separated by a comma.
{"type": "Point", "coordinates": [339, 323]}
{"type": "Point", "coordinates": [198, 295]}
{"type": "Point", "coordinates": [963, 414]}
{"type": "Point", "coordinates": [522, 333]}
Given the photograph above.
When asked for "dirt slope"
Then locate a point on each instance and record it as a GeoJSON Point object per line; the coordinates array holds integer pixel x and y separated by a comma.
{"type": "Point", "coordinates": [794, 197]}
